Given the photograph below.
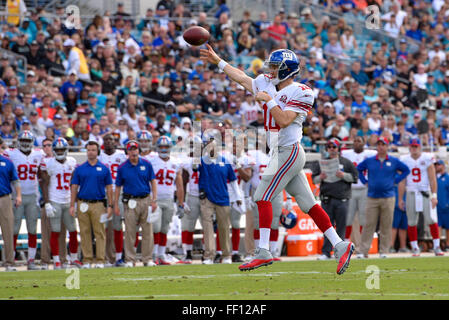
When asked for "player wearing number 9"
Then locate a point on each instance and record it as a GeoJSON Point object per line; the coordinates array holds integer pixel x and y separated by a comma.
{"type": "Point", "coordinates": [26, 160]}
{"type": "Point", "coordinates": [169, 180]}
{"type": "Point", "coordinates": [55, 175]}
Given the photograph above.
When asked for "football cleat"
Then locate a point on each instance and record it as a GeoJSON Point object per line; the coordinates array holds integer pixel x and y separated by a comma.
{"type": "Point", "coordinates": [77, 263]}
{"type": "Point", "coordinates": [438, 252]}
{"type": "Point", "coordinates": [57, 266]}
{"type": "Point", "coordinates": [120, 263]}
{"type": "Point", "coordinates": [31, 266]}
{"type": "Point", "coordinates": [236, 258]}
{"type": "Point", "coordinates": [416, 252]}
{"type": "Point", "coordinates": [162, 261]}
{"type": "Point", "coordinates": [262, 257]}
{"type": "Point", "coordinates": [343, 252]}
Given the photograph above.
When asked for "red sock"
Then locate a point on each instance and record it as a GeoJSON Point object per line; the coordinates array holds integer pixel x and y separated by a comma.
{"type": "Point", "coordinates": [162, 239]}
{"type": "Point", "coordinates": [412, 233]}
{"type": "Point", "coordinates": [274, 234]}
{"type": "Point", "coordinates": [320, 218]}
{"type": "Point", "coordinates": [32, 240]}
{"type": "Point", "coordinates": [348, 232]}
{"type": "Point", "coordinates": [184, 237]}
{"type": "Point", "coordinates": [156, 238]}
{"type": "Point", "coordinates": [54, 243]}
{"type": "Point", "coordinates": [136, 243]}
{"type": "Point", "coordinates": [73, 242]}
{"type": "Point", "coordinates": [189, 237]}
{"type": "Point", "coordinates": [15, 241]}
{"type": "Point", "coordinates": [361, 229]}
{"type": "Point", "coordinates": [118, 240]}
{"type": "Point", "coordinates": [265, 214]}
{"type": "Point", "coordinates": [257, 234]}
{"type": "Point", "coordinates": [434, 231]}
{"type": "Point", "coordinates": [235, 239]}
{"type": "Point", "coordinates": [218, 242]}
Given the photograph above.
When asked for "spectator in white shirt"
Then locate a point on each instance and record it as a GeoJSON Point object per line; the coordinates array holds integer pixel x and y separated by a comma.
{"type": "Point", "coordinates": [437, 52]}
{"type": "Point", "coordinates": [420, 78]}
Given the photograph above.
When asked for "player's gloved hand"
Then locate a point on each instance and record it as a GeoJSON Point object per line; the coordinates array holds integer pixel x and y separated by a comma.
{"type": "Point", "coordinates": [187, 208]}
{"type": "Point", "coordinates": [288, 205]}
{"type": "Point", "coordinates": [250, 204]}
{"type": "Point", "coordinates": [49, 210]}
{"type": "Point", "coordinates": [180, 212]}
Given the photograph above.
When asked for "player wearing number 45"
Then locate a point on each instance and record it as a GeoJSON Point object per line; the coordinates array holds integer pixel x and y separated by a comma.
{"type": "Point", "coordinates": [27, 161]}
{"type": "Point", "coordinates": [135, 176]}
{"type": "Point", "coordinates": [169, 180]}
{"type": "Point", "coordinates": [90, 183]}
{"type": "Point", "coordinates": [56, 173]}
{"type": "Point", "coordinates": [421, 196]}
{"type": "Point", "coordinates": [286, 104]}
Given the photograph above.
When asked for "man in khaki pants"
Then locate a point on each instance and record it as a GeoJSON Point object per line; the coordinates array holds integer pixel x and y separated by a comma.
{"type": "Point", "coordinates": [382, 176]}
{"type": "Point", "coordinates": [88, 185]}
{"type": "Point", "coordinates": [135, 176]}
{"type": "Point", "coordinates": [8, 176]}
{"type": "Point", "coordinates": [215, 171]}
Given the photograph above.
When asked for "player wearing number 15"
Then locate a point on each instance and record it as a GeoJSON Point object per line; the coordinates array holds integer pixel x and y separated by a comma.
{"type": "Point", "coordinates": [27, 161]}
{"type": "Point", "coordinates": [286, 104]}
{"type": "Point", "coordinates": [56, 173]}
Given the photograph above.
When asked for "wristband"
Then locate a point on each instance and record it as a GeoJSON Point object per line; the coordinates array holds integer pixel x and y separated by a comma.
{"type": "Point", "coordinates": [271, 104]}
{"type": "Point", "coordinates": [222, 64]}
{"type": "Point", "coordinates": [434, 195]}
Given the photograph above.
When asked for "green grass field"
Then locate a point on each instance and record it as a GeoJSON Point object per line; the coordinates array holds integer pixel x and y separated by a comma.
{"type": "Point", "coordinates": [399, 278]}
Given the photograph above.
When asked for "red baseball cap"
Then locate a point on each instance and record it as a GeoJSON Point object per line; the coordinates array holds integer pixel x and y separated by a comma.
{"type": "Point", "coordinates": [335, 142]}
{"type": "Point", "coordinates": [131, 144]}
{"type": "Point", "coordinates": [384, 140]}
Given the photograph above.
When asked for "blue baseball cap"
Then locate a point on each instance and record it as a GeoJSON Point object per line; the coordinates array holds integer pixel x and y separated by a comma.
{"type": "Point", "coordinates": [440, 162]}
{"type": "Point", "coordinates": [415, 142]}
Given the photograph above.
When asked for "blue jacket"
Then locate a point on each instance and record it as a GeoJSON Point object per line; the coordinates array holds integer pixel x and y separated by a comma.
{"type": "Point", "coordinates": [214, 178]}
{"type": "Point", "coordinates": [443, 193]}
{"type": "Point", "coordinates": [382, 176]}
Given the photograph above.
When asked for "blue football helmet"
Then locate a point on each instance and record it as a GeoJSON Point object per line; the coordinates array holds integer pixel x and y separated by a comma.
{"type": "Point", "coordinates": [163, 146]}
{"type": "Point", "coordinates": [26, 141]}
{"type": "Point", "coordinates": [286, 62]}
{"type": "Point", "coordinates": [60, 148]}
{"type": "Point", "coordinates": [289, 220]}
{"type": "Point", "coordinates": [145, 139]}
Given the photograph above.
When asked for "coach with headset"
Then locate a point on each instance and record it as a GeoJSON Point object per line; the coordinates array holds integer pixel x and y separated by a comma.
{"type": "Point", "coordinates": [335, 192]}
{"type": "Point", "coordinates": [88, 185]}
{"type": "Point", "coordinates": [135, 176]}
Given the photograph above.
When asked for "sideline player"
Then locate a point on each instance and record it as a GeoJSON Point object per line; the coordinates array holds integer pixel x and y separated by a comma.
{"type": "Point", "coordinates": [169, 180]}
{"type": "Point", "coordinates": [359, 190]}
{"type": "Point", "coordinates": [56, 173]}
{"type": "Point", "coordinates": [113, 158]}
{"type": "Point", "coordinates": [421, 180]}
{"type": "Point", "coordinates": [27, 161]}
{"type": "Point", "coordinates": [285, 105]}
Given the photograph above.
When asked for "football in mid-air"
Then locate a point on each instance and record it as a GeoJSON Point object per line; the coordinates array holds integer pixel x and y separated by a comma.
{"type": "Point", "coordinates": [196, 36]}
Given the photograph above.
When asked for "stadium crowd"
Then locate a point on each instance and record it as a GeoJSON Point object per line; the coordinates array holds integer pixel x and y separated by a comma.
{"type": "Point", "coordinates": [120, 74]}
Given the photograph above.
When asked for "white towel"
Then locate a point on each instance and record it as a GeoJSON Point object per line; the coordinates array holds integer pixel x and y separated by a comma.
{"type": "Point", "coordinates": [418, 201]}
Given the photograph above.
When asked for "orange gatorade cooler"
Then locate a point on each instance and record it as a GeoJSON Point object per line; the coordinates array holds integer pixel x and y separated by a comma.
{"type": "Point", "coordinates": [301, 245]}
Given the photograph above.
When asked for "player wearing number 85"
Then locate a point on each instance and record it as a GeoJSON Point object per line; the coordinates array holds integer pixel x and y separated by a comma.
{"type": "Point", "coordinates": [285, 104]}
{"type": "Point", "coordinates": [55, 176]}
{"type": "Point", "coordinates": [26, 160]}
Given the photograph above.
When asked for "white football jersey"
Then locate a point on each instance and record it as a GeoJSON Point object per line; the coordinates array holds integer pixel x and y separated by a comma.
{"type": "Point", "coordinates": [245, 162]}
{"type": "Point", "coordinates": [418, 179]}
{"type": "Point", "coordinates": [249, 111]}
{"type": "Point", "coordinates": [165, 172]}
{"type": "Point", "coordinates": [194, 177]}
{"type": "Point", "coordinates": [113, 161]}
{"type": "Point", "coordinates": [357, 158]}
{"type": "Point", "coordinates": [60, 176]}
{"type": "Point", "coordinates": [296, 97]}
{"type": "Point", "coordinates": [259, 162]}
{"type": "Point", "coordinates": [27, 167]}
